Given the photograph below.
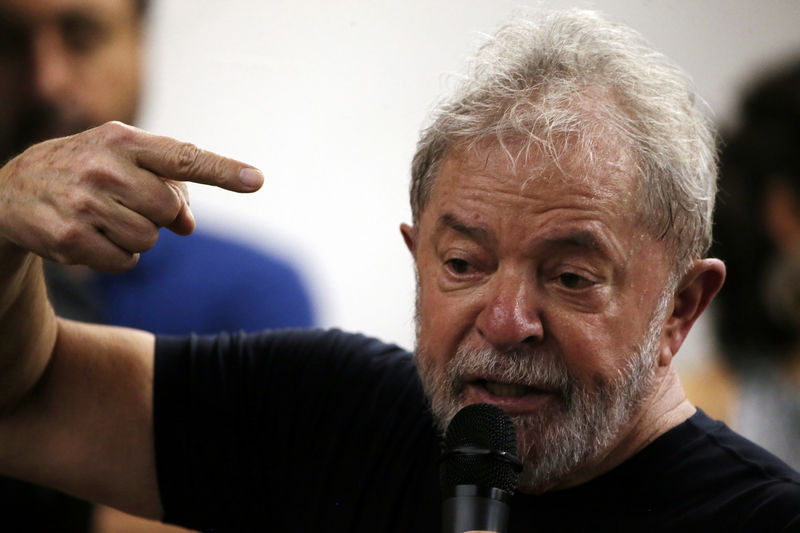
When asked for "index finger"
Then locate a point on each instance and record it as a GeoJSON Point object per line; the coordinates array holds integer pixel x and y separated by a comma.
{"type": "Point", "coordinates": [184, 161]}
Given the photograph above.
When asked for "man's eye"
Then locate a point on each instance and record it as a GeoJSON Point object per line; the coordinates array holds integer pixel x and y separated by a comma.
{"type": "Point", "coordinates": [82, 35]}
{"type": "Point", "coordinates": [458, 266]}
{"type": "Point", "coordinates": [570, 280]}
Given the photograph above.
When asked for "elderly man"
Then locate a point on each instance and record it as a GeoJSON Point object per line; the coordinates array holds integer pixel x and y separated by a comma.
{"type": "Point", "coordinates": [561, 215]}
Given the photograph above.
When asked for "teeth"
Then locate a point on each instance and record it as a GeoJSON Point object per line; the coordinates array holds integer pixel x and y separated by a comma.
{"type": "Point", "coordinates": [507, 389]}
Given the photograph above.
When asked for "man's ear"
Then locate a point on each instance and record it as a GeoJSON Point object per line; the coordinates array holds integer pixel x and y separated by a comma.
{"type": "Point", "coordinates": [409, 236]}
{"type": "Point", "coordinates": [695, 291]}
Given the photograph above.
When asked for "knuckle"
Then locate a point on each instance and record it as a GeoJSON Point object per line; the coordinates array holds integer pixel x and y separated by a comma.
{"type": "Point", "coordinates": [186, 157]}
{"type": "Point", "coordinates": [66, 241]}
{"type": "Point", "coordinates": [165, 208]}
{"type": "Point", "coordinates": [182, 191]}
{"type": "Point", "coordinates": [176, 199]}
{"type": "Point", "coordinates": [115, 127]}
{"type": "Point", "coordinates": [149, 238]}
{"type": "Point", "coordinates": [115, 132]}
{"type": "Point", "coordinates": [82, 204]}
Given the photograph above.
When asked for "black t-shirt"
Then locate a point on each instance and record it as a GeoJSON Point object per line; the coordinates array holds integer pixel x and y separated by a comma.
{"type": "Point", "coordinates": [327, 431]}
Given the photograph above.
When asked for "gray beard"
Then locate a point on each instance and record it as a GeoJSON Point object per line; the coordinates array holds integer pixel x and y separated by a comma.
{"type": "Point", "coordinates": [563, 436]}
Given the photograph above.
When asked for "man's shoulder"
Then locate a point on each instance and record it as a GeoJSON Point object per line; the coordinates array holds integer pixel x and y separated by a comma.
{"type": "Point", "coordinates": [698, 476]}
{"type": "Point", "coordinates": [714, 444]}
{"type": "Point", "coordinates": [332, 341]}
{"type": "Point", "coordinates": [309, 349]}
{"type": "Point", "coordinates": [709, 470]}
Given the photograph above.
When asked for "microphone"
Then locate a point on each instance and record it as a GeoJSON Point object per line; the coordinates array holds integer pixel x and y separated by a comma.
{"type": "Point", "coordinates": [478, 470]}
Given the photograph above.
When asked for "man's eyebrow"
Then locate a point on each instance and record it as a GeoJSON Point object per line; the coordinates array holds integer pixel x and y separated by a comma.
{"type": "Point", "coordinates": [476, 233]}
{"type": "Point", "coordinates": [582, 239]}
{"type": "Point", "coordinates": [81, 18]}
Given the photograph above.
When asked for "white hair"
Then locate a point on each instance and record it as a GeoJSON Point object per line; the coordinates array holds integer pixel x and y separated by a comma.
{"type": "Point", "coordinates": [563, 80]}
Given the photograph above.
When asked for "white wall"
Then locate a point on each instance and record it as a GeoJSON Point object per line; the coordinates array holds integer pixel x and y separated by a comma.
{"type": "Point", "coordinates": [327, 97]}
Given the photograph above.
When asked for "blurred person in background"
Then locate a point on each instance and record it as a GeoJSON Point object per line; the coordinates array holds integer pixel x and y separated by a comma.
{"type": "Point", "coordinates": [68, 65]}
{"type": "Point", "coordinates": [757, 385]}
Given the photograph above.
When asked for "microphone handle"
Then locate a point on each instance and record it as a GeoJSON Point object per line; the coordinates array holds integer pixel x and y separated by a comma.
{"type": "Point", "coordinates": [472, 508]}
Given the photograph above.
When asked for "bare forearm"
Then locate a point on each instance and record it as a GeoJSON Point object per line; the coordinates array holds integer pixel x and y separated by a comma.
{"type": "Point", "coordinates": [27, 325]}
{"type": "Point", "coordinates": [86, 428]}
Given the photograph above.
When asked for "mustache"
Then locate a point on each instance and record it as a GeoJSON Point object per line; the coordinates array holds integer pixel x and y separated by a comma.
{"type": "Point", "coordinates": [535, 368]}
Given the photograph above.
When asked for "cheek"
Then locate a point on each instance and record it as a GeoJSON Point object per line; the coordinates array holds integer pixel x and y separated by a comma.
{"type": "Point", "coordinates": [432, 320]}
{"type": "Point", "coordinates": [443, 322]}
{"type": "Point", "coordinates": [594, 349]}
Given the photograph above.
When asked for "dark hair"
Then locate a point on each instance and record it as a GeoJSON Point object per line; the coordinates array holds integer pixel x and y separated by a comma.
{"type": "Point", "coordinates": [762, 149]}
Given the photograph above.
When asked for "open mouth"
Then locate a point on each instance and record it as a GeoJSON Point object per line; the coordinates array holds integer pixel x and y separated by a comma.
{"type": "Point", "coordinates": [512, 390]}
{"type": "Point", "coordinates": [513, 398]}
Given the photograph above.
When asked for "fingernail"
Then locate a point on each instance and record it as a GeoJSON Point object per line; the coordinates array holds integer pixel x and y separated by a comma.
{"type": "Point", "coordinates": [251, 178]}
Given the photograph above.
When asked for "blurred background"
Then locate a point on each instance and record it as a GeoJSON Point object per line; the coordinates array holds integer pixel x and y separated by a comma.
{"type": "Point", "coordinates": [327, 97]}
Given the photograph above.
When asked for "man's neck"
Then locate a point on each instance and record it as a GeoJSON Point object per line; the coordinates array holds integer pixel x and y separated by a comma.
{"type": "Point", "coordinates": [665, 408]}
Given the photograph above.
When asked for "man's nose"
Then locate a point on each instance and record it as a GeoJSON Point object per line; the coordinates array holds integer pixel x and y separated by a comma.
{"type": "Point", "coordinates": [50, 66]}
{"type": "Point", "coordinates": [510, 316]}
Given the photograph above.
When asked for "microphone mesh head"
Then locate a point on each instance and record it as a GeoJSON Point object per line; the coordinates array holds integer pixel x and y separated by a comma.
{"type": "Point", "coordinates": [479, 426]}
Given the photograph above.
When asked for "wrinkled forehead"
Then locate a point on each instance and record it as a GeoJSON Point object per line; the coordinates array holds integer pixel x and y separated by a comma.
{"type": "Point", "coordinates": [602, 166]}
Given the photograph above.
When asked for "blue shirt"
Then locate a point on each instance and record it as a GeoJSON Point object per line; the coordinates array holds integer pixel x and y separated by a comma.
{"type": "Point", "coordinates": [204, 284]}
